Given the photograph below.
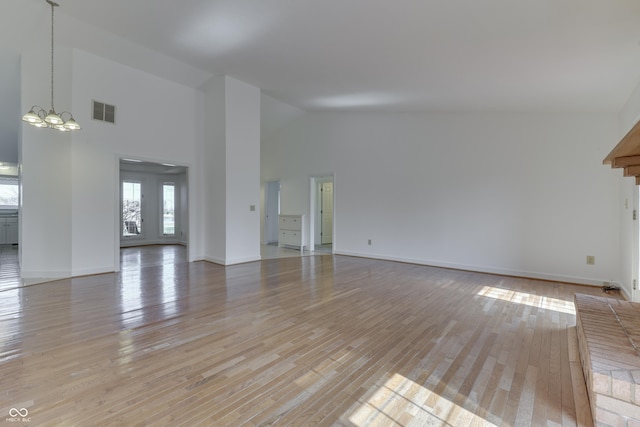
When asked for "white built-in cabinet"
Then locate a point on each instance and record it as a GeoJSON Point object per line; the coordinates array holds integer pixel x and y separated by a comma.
{"type": "Point", "coordinates": [9, 230]}
{"type": "Point", "coordinates": [291, 231]}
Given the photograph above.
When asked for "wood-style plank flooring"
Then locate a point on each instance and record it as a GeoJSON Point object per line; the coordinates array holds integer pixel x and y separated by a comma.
{"type": "Point", "coordinates": [316, 340]}
{"type": "Point", "coordinates": [9, 267]}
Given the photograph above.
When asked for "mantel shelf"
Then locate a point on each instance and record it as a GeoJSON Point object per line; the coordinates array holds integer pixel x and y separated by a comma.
{"type": "Point", "coordinates": [627, 154]}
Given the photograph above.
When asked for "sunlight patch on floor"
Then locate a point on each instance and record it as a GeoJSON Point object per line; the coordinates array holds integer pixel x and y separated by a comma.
{"type": "Point", "coordinates": [401, 401]}
{"type": "Point", "coordinates": [531, 300]}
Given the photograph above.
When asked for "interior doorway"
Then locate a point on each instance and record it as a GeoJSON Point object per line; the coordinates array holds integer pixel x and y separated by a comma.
{"type": "Point", "coordinates": [326, 213]}
{"type": "Point", "coordinates": [321, 221]}
{"type": "Point", "coordinates": [153, 205]}
{"type": "Point", "coordinates": [271, 212]}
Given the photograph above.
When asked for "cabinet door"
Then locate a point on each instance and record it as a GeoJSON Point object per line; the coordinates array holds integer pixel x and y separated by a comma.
{"type": "Point", "coordinates": [12, 231]}
{"type": "Point", "coordinates": [286, 237]}
{"type": "Point", "coordinates": [3, 231]}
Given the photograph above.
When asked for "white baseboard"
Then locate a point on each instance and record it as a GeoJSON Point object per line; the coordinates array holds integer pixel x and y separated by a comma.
{"type": "Point", "coordinates": [214, 260]}
{"type": "Point", "coordinates": [130, 243]}
{"type": "Point", "coordinates": [625, 294]}
{"type": "Point", "coordinates": [92, 271]}
{"type": "Point", "coordinates": [49, 275]}
{"type": "Point", "coordinates": [479, 269]}
{"type": "Point", "coordinates": [231, 261]}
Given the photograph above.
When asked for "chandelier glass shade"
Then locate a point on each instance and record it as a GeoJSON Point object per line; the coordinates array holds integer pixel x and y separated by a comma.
{"type": "Point", "coordinates": [38, 116]}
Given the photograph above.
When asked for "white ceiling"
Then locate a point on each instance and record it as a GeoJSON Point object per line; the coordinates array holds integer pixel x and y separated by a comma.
{"type": "Point", "coordinates": [445, 55]}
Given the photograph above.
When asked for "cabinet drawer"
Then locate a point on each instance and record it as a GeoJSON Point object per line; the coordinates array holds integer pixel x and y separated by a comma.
{"type": "Point", "coordinates": [289, 237]}
{"type": "Point", "coordinates": [290, 222]}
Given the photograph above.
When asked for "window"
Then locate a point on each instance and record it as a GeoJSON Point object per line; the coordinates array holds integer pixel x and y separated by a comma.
{"type": "Point", "coordinates": [168, 209]}
{"type": "Point", "coordinates": [9, 193]}
{"type": "Point", "coordinates": [131, 208]}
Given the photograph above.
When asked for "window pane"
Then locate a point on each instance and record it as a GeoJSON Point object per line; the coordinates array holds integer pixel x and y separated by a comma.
{"type": "Point", "coordinates": [9, 194]}
{"type": "Point", "coordinates": [131, 208]}
{"type": "Point", "coordinates": [168, 209]}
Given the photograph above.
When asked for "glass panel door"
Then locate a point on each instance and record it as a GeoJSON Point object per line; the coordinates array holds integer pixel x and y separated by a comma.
{"type": "Point", "coordinates": [131, 208]}
{"type": "Point", "coordinates": [168, 209]}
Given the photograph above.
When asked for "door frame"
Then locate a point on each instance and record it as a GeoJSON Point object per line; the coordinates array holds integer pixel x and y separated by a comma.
{"type": "Point", "coordinates": [190, 217]}
{"type": "Point", "coordinates": [635, 246]}
{"type": "Point", "coordinates": [271, 224]}
{"type": "Point", "coordinates": [314, 208]}
{"type": "Point", "coordinates": [321, 234]}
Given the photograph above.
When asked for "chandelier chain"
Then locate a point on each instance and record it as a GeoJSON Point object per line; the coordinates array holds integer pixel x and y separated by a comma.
{"type": "Point", "coordinates": [52, 8]}
{"type": "Point", "coordinates": [37, 116]}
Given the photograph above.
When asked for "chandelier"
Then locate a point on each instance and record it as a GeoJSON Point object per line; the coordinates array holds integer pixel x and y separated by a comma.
{"type": "Point", "coordinates": [38, 116]}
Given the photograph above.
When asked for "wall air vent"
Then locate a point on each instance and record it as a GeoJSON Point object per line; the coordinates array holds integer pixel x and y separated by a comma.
{"type": "Point", "coordinates": [104, 112]}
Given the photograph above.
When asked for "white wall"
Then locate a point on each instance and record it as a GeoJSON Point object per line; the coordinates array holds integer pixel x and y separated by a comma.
{"type": "Point", "coordinates": [69, 191]}
{"type": "Point", "coordinates": [274, 115]}
{"type": "Point", "coordinates": [243, 171]}
{"type": "Point", "coordinates": [214, 156]}
{"type": "Point", "coordinates": [148, 111]}
{"type": "Point", "coordinates": [232, 157]}
{"type": "Point", "coordinates": [9, 105]}
{"type": "Point", "coordinates": [85, 235]}
{"type": "Point", "coordinates": [46, 175]}
{"type": "Point", "coordinates": [522, 194]}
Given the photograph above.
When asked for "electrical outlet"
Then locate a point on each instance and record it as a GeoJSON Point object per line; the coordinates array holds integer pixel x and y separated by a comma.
{"type": "Point", "coordinates": [591, 260]}
{"type": "Point", "coordinates": [252, 208]}
{"type": "Point", "coordinates": [369, 242]}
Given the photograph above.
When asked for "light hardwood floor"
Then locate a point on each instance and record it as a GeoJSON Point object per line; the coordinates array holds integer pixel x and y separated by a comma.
{"type": "Point", "coordinates": [9, 268]}
{"type": "Point", "coordinates": [314, 340]}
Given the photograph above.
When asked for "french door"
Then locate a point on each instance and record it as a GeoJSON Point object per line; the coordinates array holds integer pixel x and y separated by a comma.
{"type": "Point", "coordinates": [132, 203]}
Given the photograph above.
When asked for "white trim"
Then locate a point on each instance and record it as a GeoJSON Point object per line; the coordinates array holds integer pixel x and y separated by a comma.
{"type": "Point", "coordinates": [214, 260]}
{"type": "Point", "coordinates": [182, 239]}
{"type": "Point", "coordinates": [243, 260]}
{"type": "Point", "coordinates": [45, 275]}
{"type": "Point", "coordinates": [478, 269]}
{"type": "Point", "coordinates": [92, 271]}
{"type": "Point", "coordinates": [232, 261]}
{"type": "Point", "coordinates": [630, 292]}
{"type": "Point", "coordinates": [133, 243]}
{"type": "Point", "coordinates": [314, 181]}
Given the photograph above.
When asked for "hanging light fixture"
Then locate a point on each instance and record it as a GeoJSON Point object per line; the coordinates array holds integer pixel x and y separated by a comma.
{"type": "Point", "coordinates": [38, 116]}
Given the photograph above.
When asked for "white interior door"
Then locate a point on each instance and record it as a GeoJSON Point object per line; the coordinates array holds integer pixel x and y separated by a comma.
{"type": "Point", "coordinates": [326, 212]}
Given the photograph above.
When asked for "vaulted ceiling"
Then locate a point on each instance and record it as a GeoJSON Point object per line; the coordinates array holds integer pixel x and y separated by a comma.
{"type": "Point", "coordinates": [461, 55]}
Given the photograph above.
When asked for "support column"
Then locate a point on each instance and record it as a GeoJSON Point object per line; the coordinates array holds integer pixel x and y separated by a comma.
{"type": "Point", "coordinates": [231, 171]}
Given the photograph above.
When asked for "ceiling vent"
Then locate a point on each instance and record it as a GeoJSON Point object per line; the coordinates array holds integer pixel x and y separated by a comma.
{"type": "Point", "coordinates": [104, 112]}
